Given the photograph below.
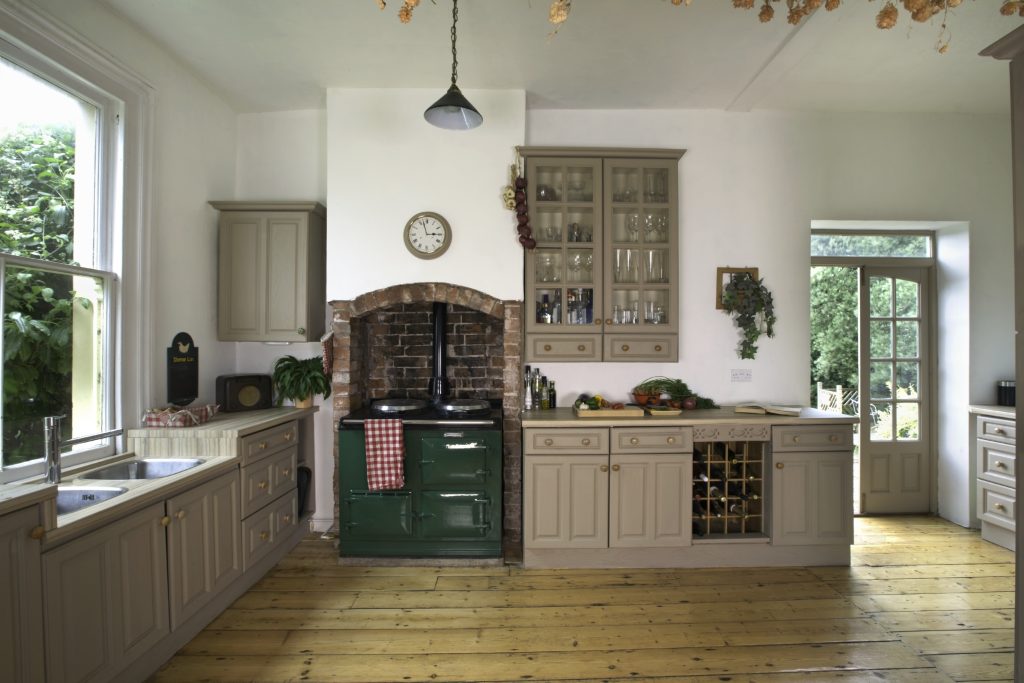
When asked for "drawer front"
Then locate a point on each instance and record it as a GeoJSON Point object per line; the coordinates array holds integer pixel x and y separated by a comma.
{"type": "Point", "coordinates": [265, 479]}
{"type": "Point", "coordinates": [997, 463]}
{"type": "Point", "coordinates": [652, 440]}
{"type": "Point", "coordinates": [823, 438]}
{"type": "Point", "coordinates": [563, 347]}
{"type": "Point", "coordinates": [640, 347]}
{"type": "Point", "coordinates": [267, 528]}
{"type": "Point", "coordinates": [732, 432]}
{"type": "Point", "coordinates": [994, 429]}
{"type": "Point", "coordinates": [996, 504]}
{"type": "Point", "coordinates": [262, 444]}
{"type": "Point", "coordinates": [585, 441]}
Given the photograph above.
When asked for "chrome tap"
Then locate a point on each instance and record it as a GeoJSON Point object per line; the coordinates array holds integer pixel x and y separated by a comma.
{"type": "Point", "coordinates": [51, 444]}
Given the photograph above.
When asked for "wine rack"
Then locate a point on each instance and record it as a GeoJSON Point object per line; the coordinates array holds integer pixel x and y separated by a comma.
{"type": "Point", "coordinates": [729, 490]}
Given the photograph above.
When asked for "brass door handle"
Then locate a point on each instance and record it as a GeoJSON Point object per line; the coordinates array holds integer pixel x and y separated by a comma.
{"type": "Point", "coordinates": [597, 321]}
{"type": "Point", "coordinates": [1000, 507]}
{"type": "Point", "coordinates": [615, 468]}
{"type": "Point", "coordinates": [181, 514]}
{"type": "Point", "coordinates": [779, 465]}
{"type": "Point", "coordinates": [287, 519]}
{"type": "Point", "coordinates": [288, 436]}
{"type": "Point", "coordinates": [999, 430]}
{"type": "Point", "coordinates": [607, 321]}
{"type": "Point", "coordinates": [796, 439]}
{"type": "Point", "coordinates": [37, 533]}
{"type": "Point", "coordinates": [285, 472]}
{"type": "Point", "coordinates": [833, 438]}
{"type": "Point", "coordinates": [263, 444]}
{"type": "Point", "coordinates": [604, 468]}
{"type": "Point", "coordinates": [165, 521]}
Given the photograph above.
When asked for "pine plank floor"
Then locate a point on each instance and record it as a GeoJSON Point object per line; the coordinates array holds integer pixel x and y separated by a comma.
{"type": "Point", "coordinates": [924, 601]}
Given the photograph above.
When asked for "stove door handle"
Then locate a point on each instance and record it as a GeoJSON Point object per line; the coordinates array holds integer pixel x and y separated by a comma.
{"type": "Point", "coordinates": [423, 515]}
{"type": "Point", "coordinates": [454, 435]}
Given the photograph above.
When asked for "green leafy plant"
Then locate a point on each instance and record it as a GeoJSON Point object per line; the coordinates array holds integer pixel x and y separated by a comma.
{"type": "Point", "coordinates": [750, 304]}
{"type": "Point", "coordinates": [298, 380]}
{"type": "Point", "coordinates": [676, 390]}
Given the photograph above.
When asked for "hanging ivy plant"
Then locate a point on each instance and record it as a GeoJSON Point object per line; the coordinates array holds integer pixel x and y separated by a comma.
{"type": "Point", "coordinates": [749, 302]}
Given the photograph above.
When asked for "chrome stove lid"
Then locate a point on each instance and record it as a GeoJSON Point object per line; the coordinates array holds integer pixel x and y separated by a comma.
{"type": "Point", "coordinates": [398, 406]}
{"type": "Point", "coordinates": [464, 406]}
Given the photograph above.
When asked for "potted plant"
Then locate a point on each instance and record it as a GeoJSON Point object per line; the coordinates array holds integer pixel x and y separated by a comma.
{"type": "Point", "coordinates": [750, 304]}
{"type": "Point", "coordinates": [297, 380]}
{"type": "Point", "coordinates": [679, 394]}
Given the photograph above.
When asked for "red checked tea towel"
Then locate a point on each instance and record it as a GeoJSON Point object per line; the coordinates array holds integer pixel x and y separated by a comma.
{"type": "Point", "coordinates": [385, 454]}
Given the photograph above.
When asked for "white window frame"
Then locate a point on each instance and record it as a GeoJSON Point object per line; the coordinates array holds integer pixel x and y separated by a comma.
{"type": "Point", "coordinates": [54, 52]}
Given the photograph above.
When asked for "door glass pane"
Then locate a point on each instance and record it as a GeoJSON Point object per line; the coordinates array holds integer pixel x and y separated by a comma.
{"type": "Point", "coordinates": [907, 416]}
{"type": "Point", "coordinates": [655, 225]}
{"type": "Point", "coordinates": [549, 306]}
{"type": "Point", "coordinates": [907, 299]}
{"type": "Point", "coordinates": [881, 339]}
{"type": "Point", "coordinates": [907, 339]}
{"type": "Point", "coordinates": [655, 185]}
{"type": "Point", "coordinates": [881, 380]}
{"type": "Point", "coordinates": [656, 307]}
{"type": "Point", "coordinates": [881, 421]}
{"type": "Point", "coordinates": [548, 187]}
{"type": "Point", "coordinates": [654, 265]}
{"type": "Point", "coordinates": [549, 225]}
{"type": "Point", "coordinates": [580, 226]}
{"type": "Point", "coordinates": [907, 379]}
{"type": "Point", "coordinates": [548, 265]}
{"type": "Point", "coordinates": [625, 184]}
{"type": "Point", "coordinates": [881, 297]}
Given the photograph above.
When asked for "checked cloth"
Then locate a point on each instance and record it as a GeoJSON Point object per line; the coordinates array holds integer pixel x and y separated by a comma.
{"type": "Point", "coordinates": [385, 454]}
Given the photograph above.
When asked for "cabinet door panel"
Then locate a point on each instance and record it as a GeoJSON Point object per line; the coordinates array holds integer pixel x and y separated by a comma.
{"type": "Point", "coordinates": [650, 500]}
{"type": "Point", "coordinates": [286, 274]}
{"type": "Point", "coordinates": [142, 560]}
{"type": "Point", "coordinates": [241, 259]}
{"type": "Point", "coordinates": [21, 600]}
{"type": "Point", "coordinates": [566, 501]}
{"type": "Point", "coordinates": [587, 504]}
{"type": "Point", "coordinates": [812, 499]}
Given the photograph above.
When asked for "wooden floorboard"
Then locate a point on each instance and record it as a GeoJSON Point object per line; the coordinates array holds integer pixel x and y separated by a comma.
{"type": "Point", "coordinates": [923, 601]}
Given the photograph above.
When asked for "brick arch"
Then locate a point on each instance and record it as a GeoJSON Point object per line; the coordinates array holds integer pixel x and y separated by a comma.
{"type": "Point", "coordinates": [427, 291]}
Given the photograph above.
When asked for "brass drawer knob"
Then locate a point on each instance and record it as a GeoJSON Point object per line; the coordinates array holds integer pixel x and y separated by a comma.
{"type": "Point", "coordinates": [581, 348]}
{"type": "Point", "coordinates": [287, 519]}
{"type": "Point", "coordinates": [263, 444]}
{"type": "Point", "coordinates": [671, 439]}
{"type": "Point", "coordinates": [165, 521]}
{"type": "Point", "coordinates": [796, 439]}
{"type": "Point", "coordinates": [37, 533]}
{"type": "Point", "coordinates": [264, 535]}
{"type": "Point", "coordinates": [301, 330]}
{"type": "Point", "coordinates": [604, 468]}
{"type": "Point", "coordinates": [597, 321]}
{"type": "Point", "coordinates": [547, 347]}
{"type": "Point", "coordinates": [779, 465]}
{"type": "Point", "coordinates": [1000, 465]}
{"type": "Point", "coordinates": [285, 472]}
{"type": "Point", "coordinates": [1000, 507]}
{"type": "Point", "coordinates": [833, 438]}
{"type": "Point", "coordinates": [615, 468]}
{"type": "Point", "coordinates": [261, 485]}
{"type": "Point", "coordinates": [625, 348]}
{"type": "Point", "coordinates": [549, 442]}
{"type": "Point", "coordinates": [585, 442]}
{"type": "Point", "coordinates": [607, 321]}
{"type": "Point", "coordinates": [657, 347]}
{"type": "Point", "coordinates": [288, 436]}
{"type": "Point", "coordinates": [1000, 431]}
{"type": "Point", "coordinates": [634, 441]}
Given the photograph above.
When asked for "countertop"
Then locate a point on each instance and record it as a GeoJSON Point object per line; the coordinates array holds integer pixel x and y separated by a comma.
{"type": "Point", "coordinates": [232, 425]}
{"type": "Point", "coordinates": [1008, 412]}
{"type": "Point", "coordinates": [566, 417]}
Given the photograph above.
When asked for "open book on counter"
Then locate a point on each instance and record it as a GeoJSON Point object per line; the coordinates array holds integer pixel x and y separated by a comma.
{"type": "Point", "coordinates": [767, 409]}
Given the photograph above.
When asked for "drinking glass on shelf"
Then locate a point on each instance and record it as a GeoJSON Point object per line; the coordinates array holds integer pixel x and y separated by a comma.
{"type": "Point", "coordinates": [575, 264]}
{"type": "Point", "coordinates": [633, 226]}
{"type": "Point", "coordinates": [617, 314]}
{"type": "Point", "coordinates": [635, 313]}
{"type": "Point", "coordinates": [588, 267]}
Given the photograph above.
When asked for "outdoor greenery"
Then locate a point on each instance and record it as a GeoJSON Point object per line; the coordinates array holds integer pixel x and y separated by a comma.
{"type": "Point", "coordinates": [36, 220]}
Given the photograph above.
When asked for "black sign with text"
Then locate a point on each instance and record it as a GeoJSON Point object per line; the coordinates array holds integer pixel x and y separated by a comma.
{"type": "Point", "coordinates": [182, 370]}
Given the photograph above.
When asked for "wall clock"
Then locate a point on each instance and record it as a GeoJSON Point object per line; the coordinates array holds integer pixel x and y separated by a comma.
{"type": "Point", "coordinates": [428, 235]}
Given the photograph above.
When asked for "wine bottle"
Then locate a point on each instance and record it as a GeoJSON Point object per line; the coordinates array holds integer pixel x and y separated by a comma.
{"type": "Point", "coordinates": [528, 396]}
{"type": "Point", "coordinates": [545, 394]}
{"type": "Point", "coordinates": [699, 511]}
{"type": "Point", "coordinates": [553, 398]}
{"type": "Point", "coordinates": [715, 493]}
{"type": "Point", "coordinates": [544, 312]}
{"type": "Point", "coordinates": [698, 529]}
{"type": "Point", "coordinates": [738, 510]}
{"type": "Point", "coordinates": [715, 509]}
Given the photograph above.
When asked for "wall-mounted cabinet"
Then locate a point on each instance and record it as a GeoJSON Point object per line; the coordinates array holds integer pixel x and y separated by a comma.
{"type": "Point", "coordinates": [602, 283]}
{"type": "Point", "coordinates": [271, 271]}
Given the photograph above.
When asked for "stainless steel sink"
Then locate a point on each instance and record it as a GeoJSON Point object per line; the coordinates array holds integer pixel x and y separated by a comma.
{"type": "Point", "coordinates": [152, 468]}
{"type": "Point", "coordinates": [74, 498]}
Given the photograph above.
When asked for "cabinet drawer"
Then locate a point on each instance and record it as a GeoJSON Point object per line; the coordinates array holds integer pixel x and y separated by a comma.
{"type": "Point", "coordinates": [823, 438]}
{"type": "Point", "coordinates": [996, 504]}
{"type": "Point", "coordinates": [731, 432]}
{"type": "Point", "coordinates": [566, 347]}
{"type": "Point", "coordinates": [640, 347]}
{"type": "Point", "coordinates": [586, 441]}
{"type": "Point", "coordinates": [264, 480]}
{"type": "Point", "coordinates": [994, 429]}
{"type": "Point", "coordinates": [652, 440]}
{"type": "Point", "coordinates": [261, 444]}
{"type": "Point", "coordinates": [265, 529]}
{"type": "Point", "coordinates": [997, 463]}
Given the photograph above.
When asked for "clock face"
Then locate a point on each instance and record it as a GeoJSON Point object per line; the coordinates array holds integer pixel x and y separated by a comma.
{"type": "Point", "coordinates": [427, 235]}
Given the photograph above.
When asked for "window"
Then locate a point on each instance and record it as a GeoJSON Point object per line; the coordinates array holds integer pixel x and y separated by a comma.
{"type": "Point", "coordinates": [892, 245]}
{"type": "Point", "coordinates": [72, 143]}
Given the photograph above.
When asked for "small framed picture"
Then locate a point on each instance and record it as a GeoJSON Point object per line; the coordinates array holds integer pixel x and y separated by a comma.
{"type": "Point", "coordinates": [723, 279]}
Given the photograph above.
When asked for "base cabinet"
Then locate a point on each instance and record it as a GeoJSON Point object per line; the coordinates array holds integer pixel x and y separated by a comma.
{"type": "Point", "coordinates": [204, 545]}
{"type": "Point", "coordinates": [996, 484]}
{"type": "Point", "coordinates": [812, 499]}
{"type": "Point", "coordinates": [565, 501]}
{"type": "Point", "coordinates": [106, 598]}
{"type": "Point", "coordinates": [21, 598]}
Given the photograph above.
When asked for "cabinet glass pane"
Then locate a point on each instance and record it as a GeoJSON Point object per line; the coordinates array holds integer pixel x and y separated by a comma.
{"type": "Point", "coordinates": [580, 265]}
{"type": "Point", "coordinates": [625, 225]}
{"type": "Point", "coordinates": [655, 185]}
{"type": "Point", "coordinates": [655, 225]}
{"type": "Point", "coordinates": [580, 225]}
{"type": "Point", "coordinates": [580, 185]}
{"type": "Point", "coordinates": [907, 339]}
{"type": "Point", "coordinates": [550, 180]}
{"type": "Point", "coordinates": [625, 265]}
{"type": "Point", "coordinates": [549, 306]}
{"type": "Point", "coordinates": [579, 306]}
{"type": "Point", "coordinates": [626, 308]}
{"type": "Point", "coordinates": [881, 380]}
{"type": "Point", "coordinates": [654, 263]}
{"type": "Point", "coordinates": [549, 225]}
{"type": "Point", "coordinates": [881, 339]}
{"type": "Point", "coordinates": [625, 184]}
{"type": "Point", "coordinates": [656, 307]}
{"type": "Point", "coordinates": [907, 299]}
{"type": "Point", "coordinates": [547, 265]}
{"type": "Point", "coordinates": [880, 294]}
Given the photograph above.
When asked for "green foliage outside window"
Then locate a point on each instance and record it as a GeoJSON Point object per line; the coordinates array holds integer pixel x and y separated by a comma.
{"type": "Point", "coordinates": [37, 167]}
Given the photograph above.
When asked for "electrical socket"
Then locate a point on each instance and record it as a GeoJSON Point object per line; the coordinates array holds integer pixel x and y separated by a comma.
{"type": "Point", "coordinates": [742, 375]}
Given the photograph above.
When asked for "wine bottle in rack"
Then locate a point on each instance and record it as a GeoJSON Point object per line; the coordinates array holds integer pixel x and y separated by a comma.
{"type": "Point", "coordinates": [715, 509]}
{"type": "Point", "coordinates": [698, 456]}
{"type": "Point", "coordinates": [749, 496]}
{"type": "Point", "coordinates": [718, 473]}
{"type": "Point", "coordinates": [715, 493]}
{"type": "Point", "coordinates": [698, 529]}
{"type": "Point", "coordinates": [699, 511]}
{"type": "Point", "coordinates": [738, 510]}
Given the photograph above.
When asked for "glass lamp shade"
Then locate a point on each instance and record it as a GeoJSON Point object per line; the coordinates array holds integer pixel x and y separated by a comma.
{"type": "Point", "coordinates": [453, 111]}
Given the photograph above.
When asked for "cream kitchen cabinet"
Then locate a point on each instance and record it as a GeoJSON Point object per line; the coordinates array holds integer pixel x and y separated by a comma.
{"type": "Point", "coordinates": [602, 283]}
{"type": "Point", "coordinates": [269, 495]}
{"type": "Point", "coordinates": [106, 598]}
{"type": "Point", "coordinates": [996, 457]}
{"type": "Point", "coordinates": [204, 548]}
{"type": "Point", "coordinates": [271, 271]}
{"type": "Point", "coordinates": [812, 487]}
{"type": "Point", "coordinates": [21, 601]}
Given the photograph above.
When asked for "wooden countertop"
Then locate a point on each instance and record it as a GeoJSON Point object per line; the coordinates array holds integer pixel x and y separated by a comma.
{"type": "Point", "coordinates": [566, 417]}
{"type": "Point", "coordinates": [230, 425]}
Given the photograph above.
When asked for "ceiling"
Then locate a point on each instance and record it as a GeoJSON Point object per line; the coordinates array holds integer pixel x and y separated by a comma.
{"type": "Point", "coordinates": [270, 55]}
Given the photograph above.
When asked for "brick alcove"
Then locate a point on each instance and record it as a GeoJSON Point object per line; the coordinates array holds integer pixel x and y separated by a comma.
{"type": "Point", "coordinates": [381, 347]}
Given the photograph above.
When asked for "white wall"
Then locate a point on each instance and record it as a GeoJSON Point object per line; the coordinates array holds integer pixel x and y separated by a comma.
{"type": "Point", "coordinates": [385, 164]}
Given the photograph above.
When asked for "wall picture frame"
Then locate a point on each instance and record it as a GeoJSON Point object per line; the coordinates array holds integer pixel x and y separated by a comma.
{"type": "Point", "coordinates": [722, 279]}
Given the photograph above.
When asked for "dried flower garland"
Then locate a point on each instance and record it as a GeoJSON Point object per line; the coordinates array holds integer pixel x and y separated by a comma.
{"type": "Point", "coordinates": [919, 10]}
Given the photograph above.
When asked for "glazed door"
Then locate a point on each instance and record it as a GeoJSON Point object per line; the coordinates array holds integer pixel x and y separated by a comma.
{"type": "Point", "coordinates": [895, 453]}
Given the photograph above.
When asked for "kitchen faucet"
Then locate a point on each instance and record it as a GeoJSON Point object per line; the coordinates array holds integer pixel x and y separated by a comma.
{"type": "Point", "coordinates": [52, 445]}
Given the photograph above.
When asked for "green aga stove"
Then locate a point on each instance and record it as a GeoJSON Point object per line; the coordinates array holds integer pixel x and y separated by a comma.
{"type": "Point", "coordinates": [450, 505]}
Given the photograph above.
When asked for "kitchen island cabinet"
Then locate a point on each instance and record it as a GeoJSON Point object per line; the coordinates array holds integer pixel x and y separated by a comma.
{"type": "Point", "coordinates": [606, 492]}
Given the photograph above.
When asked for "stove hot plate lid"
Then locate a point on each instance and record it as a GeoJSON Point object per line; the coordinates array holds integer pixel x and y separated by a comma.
{"type": "Point", "coordinates": [464, 406]}
{"type": "Point", "coordinates": [398, 406]}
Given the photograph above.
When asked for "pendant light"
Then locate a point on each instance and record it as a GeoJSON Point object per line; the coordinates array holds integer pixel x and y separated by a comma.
{"type": "Point", "coordinates": [453, 111]}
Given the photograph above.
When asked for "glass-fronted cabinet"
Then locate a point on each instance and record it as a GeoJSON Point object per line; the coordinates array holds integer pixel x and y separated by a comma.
{"type": "Point", "coordinates": [602, 282]}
